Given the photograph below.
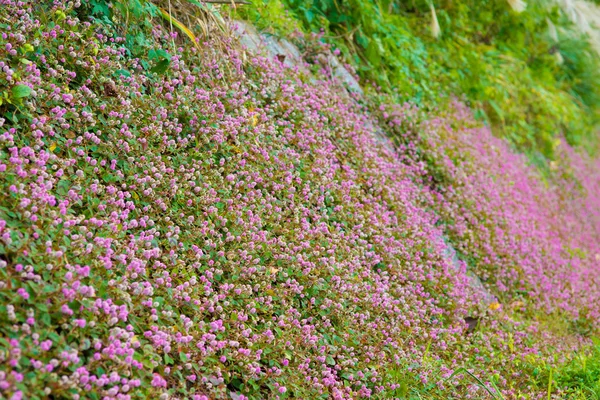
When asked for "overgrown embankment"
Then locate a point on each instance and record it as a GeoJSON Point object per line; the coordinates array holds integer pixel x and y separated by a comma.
{"type": "Point", "coordinates": [203, 222]}
{"type": "Point", "coordinates": [525, 68]}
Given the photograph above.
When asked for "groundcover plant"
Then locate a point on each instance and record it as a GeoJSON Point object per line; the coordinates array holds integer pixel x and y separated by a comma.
{"type": "Point", "coordinates": [201, 222]}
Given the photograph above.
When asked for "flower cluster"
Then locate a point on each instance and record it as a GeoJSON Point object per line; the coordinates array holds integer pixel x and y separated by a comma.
{"type": "Point", "coordinates": [234, 228]}
{"type": "Point", "coordinates": [532, 237]}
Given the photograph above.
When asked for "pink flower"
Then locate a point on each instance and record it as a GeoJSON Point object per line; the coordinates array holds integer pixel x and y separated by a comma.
{"type": "Point", "coordinates": [158, 381]}
{"type": "Point", "coordinates": [23, 293]}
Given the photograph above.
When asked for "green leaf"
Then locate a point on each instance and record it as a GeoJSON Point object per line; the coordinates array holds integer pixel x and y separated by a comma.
{"type": "Point", "coordinates": [100, 8]}
{"type": "Point", "coordinates": [309, 15]}
{"type": "Point", "coordinates": [158, 54]}
{"type": "Point", "coordinates": [27, 48]}
{"type": "Point", "coordinates": [122, 72]}
{"type": "Point", "coordinates": [160, 67]}
{"type": "Point", "coordinates": [63, 186]}
{"type": "Point", "coordinates": [46, 319]}
{"type": "Point", "coordinates": [373, 56]}
{"type": "Point", "coordinates": [20, 91]}
{"type": "Point", "coordinates": [497, 109]}
{"type": "Point", "coordinates": [236, 383]}
{"type": "Point", "coordinates": [183, 357]}
{"type": "Point", "coordinates": [402, 391]}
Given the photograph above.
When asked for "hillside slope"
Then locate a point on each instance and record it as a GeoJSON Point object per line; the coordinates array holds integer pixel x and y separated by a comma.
{"type": "Point", "coordinates": [204, 222]}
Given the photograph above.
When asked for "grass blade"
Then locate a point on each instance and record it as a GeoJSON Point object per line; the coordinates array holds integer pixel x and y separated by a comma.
{"type": "Point", "coordinates": [172, 20]}
{"type": "Point", "coordinates": [462, 369]}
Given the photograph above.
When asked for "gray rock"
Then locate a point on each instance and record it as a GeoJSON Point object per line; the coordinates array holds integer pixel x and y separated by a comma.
{"type": "Point", "coordinates": [341, 73]}
{"type": "Point", "coordinates": [247, 35]}
{"type": "Point", "coordinates": [274, 47]}
{"type": "Point", "coordinates": [380, 135]}
{"type": "Point", "coordinates": [288, 53]}
{"type": "Point", "coordinates": [474, 281]}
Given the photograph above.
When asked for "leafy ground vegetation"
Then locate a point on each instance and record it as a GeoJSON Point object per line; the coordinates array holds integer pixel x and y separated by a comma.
{"type": "Point", "coordinates": [522, 66]}
{"type": "Point", "coordinates": [188, 220]}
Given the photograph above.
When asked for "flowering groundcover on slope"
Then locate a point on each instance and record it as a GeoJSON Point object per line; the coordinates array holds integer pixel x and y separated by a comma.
{"type": "Point", "coordinates": [532, 237]}
{"type": "Point", "coordinates": [220, 226]}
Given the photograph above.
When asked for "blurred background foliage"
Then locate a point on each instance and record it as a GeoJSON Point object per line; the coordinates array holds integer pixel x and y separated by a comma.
{"type": "Point", "coordinates": [525, 69]}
